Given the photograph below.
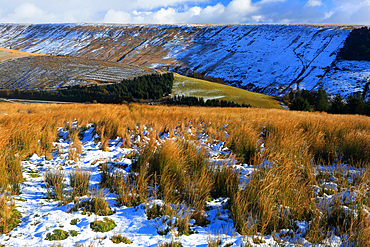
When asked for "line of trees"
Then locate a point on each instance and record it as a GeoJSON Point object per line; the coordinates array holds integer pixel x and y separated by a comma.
{"type": "Point", "coordinates": [319, 101]}
{"type": "Point", "coordinates": [194, 101]}
{"type": "Point", "coordinates": [152, 86]}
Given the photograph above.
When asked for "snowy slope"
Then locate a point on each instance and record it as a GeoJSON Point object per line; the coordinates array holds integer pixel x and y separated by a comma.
{"type": "Point", "coordinates": [266, 58]}
{"type": "Point", "coordinates": [53, 72]}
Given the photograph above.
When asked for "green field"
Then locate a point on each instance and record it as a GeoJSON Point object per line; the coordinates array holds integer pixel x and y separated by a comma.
{"type": "Point", "coordinates": [209, 90]}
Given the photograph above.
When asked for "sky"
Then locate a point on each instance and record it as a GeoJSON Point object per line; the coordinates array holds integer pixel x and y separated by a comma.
{"type": "Point", "coordinates": [185, 11]}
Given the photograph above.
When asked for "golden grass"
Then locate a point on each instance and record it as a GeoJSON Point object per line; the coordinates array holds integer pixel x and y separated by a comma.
{"type": "Point", "coordinates": [79, 181]}
{"type": "Point", "coordinates": [54, 182]}
{"type": "Point", "coordinates": [293, 142]}
{"type": "Point", "coordinates": [7, 54]}
{"type": "Point", "coordinates": [209, 90]}
{"type": "Point", "coordinates": [325, 136]}
{"type": "Point", "coordinates": [9, 216]}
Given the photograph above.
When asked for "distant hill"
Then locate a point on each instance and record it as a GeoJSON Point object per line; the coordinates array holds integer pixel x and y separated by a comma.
{"type": "Point", "coordinates": [264, 58]}
{"type": "Point", "coordinates": [34, 72]}
{"type": "Point", "coordinates": [52, 72]}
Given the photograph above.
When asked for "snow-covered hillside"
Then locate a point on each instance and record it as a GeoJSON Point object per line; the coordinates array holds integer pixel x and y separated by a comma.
{"type": "Point", "coordinates": [53, 72]}
{"type": "Point", "coordinates": [267, 58]}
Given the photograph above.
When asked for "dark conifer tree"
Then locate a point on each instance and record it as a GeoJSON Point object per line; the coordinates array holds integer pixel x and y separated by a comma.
{"type": "Point", "coordinates": [356, 104]}
{"type": "Point", "coordinates": [300, 104]}
{"type": "Point", "coordinates": [322, 101]}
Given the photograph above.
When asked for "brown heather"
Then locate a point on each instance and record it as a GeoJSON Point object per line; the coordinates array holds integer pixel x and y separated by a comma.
{"type": "Point", "coordinates": [276, 195]}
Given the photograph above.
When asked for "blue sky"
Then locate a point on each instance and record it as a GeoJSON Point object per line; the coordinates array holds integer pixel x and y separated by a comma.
{"type": "Point", "coordinates": [186, 11]}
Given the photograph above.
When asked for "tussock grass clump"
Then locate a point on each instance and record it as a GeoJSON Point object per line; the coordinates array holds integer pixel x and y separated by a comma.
{"type": "Point", "coordinates": [172, 243]}
{"type": "Point", "coordinates": [243, 141]}
{"type": "Point", "coordinates": [9, 216]}
{"type": "Point", "coordinates": [15, 177]}
{"type": "Point", "coordinates": [181, 173]}
{"type": "Point", "coordinates": [104, 225]}
{"type": "Point", "coordinates": [226, 181]}
{"type": "Point", "coordinates": [79, 181]}
{"type": "Point", "coordinates": [156, 211]}
{"type": "Point", "coordinates": [131, 190]}
{"type": "Point", "coordinates": [96, 204]}
{"type": "Point", "coordinates": [57, 235]}
{"type": "Point", "coordinates": [75, 149]}
{"type": "Point", "coordinates": [74, 222]}
{"type": "Point", "coordinates": [182, 223]}
{"type": "Point", "coordinates": [73, 233]}
{"type": "Point", "coordinates": [274, 198]}
{"type": "Point", "coordinates": [107, 176]}
{"type": "Point", "coordinates": [183, 176]}
{"type": "Point", "coordinates": [99, 205]}
{"type": "Point", "coordinates": [126, 141]}
{"type": "Point", "coordinates": [54, 182]}
{"type": "Point", "coordinates": [117, 239]}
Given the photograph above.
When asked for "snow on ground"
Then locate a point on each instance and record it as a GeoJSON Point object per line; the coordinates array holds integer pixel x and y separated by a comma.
{"type": "Point", "coordinates": [41, 216]}
{"type": "Point", "coordinates": [268, 56]}
{"type": "Point", "coordinates": [347, 77]}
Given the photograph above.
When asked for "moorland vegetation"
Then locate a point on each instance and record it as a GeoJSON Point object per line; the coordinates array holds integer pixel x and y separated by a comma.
{"type": "Point", "coordinates": [295, 156]}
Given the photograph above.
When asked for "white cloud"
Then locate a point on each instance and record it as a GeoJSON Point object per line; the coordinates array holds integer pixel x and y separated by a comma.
{"type": "Point", "coordinates": [151, 4]}
{"type": "Point", "coordinates": [165, 16]}
{"type": "Point", "coordinates": [218, 8]}
{"type": "Point", "coordinates": [41, 11]}
{"type": "Point", "coordinates": [195, 11]}
{"type": "Point", "coordinates": [113, 16]}
{"type": "Point", "coordinates": [185, 11]}
{"type": "Point", "coordinates": [270, 1]}
{"type": "Point", "coordinates": [350, 12]}
{"type": "Point", "coordinates": [313, 3]}
{"type": "Point", "coordinates": [241, 6]}
{"type": "Point", "coordinates": [28, 12]}
{"type": "Point", "coordinates": [196, 14]}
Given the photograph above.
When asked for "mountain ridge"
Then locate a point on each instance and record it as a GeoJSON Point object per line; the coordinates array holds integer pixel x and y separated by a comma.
{"type": "Point", "coordinates": [268, 58]}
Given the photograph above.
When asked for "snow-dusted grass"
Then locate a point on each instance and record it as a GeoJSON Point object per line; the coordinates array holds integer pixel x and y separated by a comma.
{"type": "Point", "coordinates": [301, 177]}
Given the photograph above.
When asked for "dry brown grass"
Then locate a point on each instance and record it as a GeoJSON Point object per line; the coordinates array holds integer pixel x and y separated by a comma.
{"type": "Point", "coordinates": [293, 141]}
{"type": "Point", "coordinates": [75, 149]}
{"type": "Point", "coordinates": [7, 54]}
{"type": "Point", "coordinates": [54, 182]}
{"type": "Point", "coordinates": [9, 216]}
{"type": "Point", "coordinates": [79, 181]}
{"type": "Point", "coordinates": [130, 191]}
